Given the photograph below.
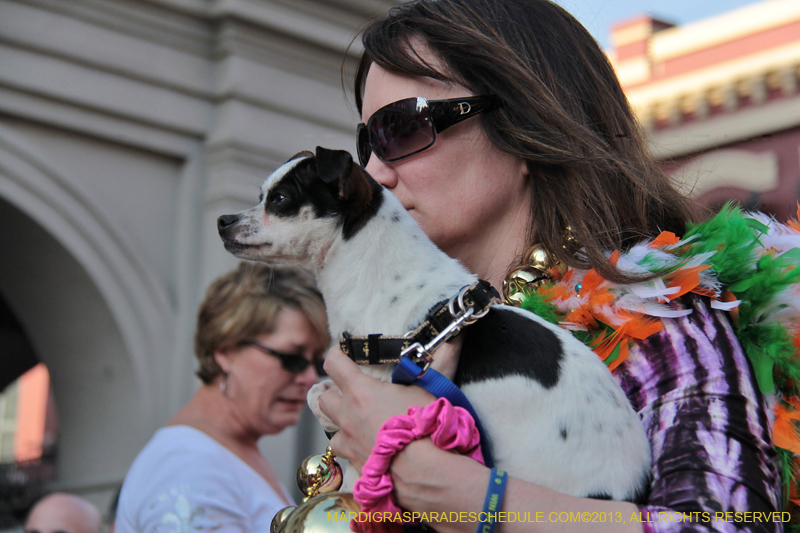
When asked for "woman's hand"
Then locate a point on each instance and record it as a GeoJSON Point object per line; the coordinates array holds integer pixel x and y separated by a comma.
{"type": "Point", "coordinates": [361, 405]}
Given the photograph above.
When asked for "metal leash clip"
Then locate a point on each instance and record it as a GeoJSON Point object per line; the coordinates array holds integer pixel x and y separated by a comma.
{"type": "Point", "coordinates": [421, 355]}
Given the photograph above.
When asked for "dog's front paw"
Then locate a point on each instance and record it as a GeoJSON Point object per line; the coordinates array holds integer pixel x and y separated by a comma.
{"type": "Point", "coordinates": [313, 402]}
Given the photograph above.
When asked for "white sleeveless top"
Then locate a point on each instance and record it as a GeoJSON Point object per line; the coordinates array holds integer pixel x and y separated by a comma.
{"type": "Point", "coordinates": [184, 480]}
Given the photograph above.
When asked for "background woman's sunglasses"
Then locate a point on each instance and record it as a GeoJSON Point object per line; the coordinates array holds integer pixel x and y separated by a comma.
{"type": "Point", "coordinates": [409, 126]}
{"type": "Point", "coordinates": [293, 363]}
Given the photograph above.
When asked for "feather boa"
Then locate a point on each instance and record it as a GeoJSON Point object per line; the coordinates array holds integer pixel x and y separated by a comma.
{"type": "Point", "coordinates": [746, 263]}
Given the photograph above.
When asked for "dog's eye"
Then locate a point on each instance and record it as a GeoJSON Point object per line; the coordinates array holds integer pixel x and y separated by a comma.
{"type": "Point", "coordinates": [278, 198]}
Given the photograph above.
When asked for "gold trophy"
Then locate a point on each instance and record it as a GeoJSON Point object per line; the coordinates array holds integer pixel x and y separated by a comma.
{"type": "Point", "coordinates": [324, 510]}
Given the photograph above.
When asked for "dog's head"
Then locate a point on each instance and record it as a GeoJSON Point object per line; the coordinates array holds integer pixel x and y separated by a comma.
{"type": "Point", "coordinates": [304, 206]}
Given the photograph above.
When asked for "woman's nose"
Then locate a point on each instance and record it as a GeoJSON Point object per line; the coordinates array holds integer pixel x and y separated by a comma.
{"type": "Point", "coordinates": [308, 377]}
{"type": "Point", "coordinates": [381, 172]}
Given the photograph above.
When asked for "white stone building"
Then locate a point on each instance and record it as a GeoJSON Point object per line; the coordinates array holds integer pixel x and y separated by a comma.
{"type": "Point", "coordinates": [126, 128]}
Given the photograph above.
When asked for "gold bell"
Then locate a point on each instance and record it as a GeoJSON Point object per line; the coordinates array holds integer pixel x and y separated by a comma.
{"type": "Point", "coordinates": [280, 518]}
{"type": "Point", "coordinates": [326, 513]}
{"type": "Point", "coordinates": [515, 284]}
{"type": "Point", "coordinates": [319, 474]}
{"type": "Point", "coordinates": [537, 264]}
{"type": "Point", "coordinates": [538, 259]}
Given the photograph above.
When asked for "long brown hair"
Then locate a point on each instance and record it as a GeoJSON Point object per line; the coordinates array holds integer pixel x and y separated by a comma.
{"type": "Point", "coordinates": [563, 112]}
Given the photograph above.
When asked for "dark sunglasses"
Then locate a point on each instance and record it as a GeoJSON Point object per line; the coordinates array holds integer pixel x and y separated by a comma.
{"type": "Point", "coordinates": [409, 126]}
{"type": "Point", "coordinates": [293, 363]}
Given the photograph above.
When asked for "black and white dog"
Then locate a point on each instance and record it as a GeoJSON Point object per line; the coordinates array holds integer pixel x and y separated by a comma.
{"type": "Point", "coordinates": [554, 414]}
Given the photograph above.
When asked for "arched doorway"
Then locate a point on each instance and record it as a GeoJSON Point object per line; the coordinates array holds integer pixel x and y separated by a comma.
{"type": "Point", "coordinates": [73, 332]}
{"type": "Point", "coordinates": [71, 287]}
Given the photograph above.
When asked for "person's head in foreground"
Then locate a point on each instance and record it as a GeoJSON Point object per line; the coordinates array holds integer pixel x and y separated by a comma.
{"type": "Point", "coordinates": [552, 156]}
{"type": "Point", "coordinates": [261, 331]}
{"type": "Point", "coordinates": [63, 513]}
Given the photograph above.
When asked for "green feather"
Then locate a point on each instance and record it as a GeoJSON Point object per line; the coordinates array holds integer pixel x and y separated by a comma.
{"type": "Point", "coordinates": [536, 304]}
{"type": "Point", "coordinates": [754, 276]}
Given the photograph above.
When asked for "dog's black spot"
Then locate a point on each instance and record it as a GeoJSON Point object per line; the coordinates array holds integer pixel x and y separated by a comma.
{"type": "Point", "coordinates": [524, 348]}
{"type": "Point", "coordinates": [421, 286]}
{"type": "Point", "coordinates": [393, 300]}
{"type": "Point", "coordinates": [563, 433]}
{"type": "Point", "coordinates": [600, 496]}
{"type": "Point", "coordinates": [395, 217]}
{"type": "Point", "coordinates": [397, 277]}
{"type": "Point", "coordinates": [598, 427]}
{"type": "Point", "coordinates": [302, 188]}
{"type": "Point", "coordinates": [642, 493]}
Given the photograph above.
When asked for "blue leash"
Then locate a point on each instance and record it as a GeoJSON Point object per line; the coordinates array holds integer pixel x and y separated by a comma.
{"type": "Point", "coordinates": [409, 373]}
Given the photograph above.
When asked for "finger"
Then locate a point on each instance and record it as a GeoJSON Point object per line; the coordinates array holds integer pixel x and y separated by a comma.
{"type": "Point", "coordinates": [341, 369]}
{"type": "Point", "coordinates": [336, 445]}
{"type": "Point", "coordinates": [340, 448]}
{"type": "Point", "coordinates": [446, 358]}
{"type": "Point", "coordinates": [330, 403]}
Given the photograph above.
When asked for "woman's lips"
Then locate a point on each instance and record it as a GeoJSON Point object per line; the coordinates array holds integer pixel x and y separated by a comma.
{"type": "Point", "coordinates": [295, 402]}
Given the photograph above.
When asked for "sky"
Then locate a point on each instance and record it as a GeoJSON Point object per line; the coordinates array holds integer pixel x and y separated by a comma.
{"type": "Point", "coordinates": [599, 15]}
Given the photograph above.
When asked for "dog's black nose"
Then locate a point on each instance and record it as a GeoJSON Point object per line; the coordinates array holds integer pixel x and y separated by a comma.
{"type": "Point", "coordinates": [226, 220]}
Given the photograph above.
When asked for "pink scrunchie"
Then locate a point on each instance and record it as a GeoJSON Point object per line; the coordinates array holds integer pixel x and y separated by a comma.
{"type": "Point", "coordinates": [449, 427]}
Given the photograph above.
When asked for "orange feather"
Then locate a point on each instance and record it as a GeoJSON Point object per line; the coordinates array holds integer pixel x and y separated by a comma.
{"type": "Point", "coordinates": [687, 279]}
{"type": "Point", "coordinates": [665, 238]}
{"type": "Point", "coordinates": [784, 431]}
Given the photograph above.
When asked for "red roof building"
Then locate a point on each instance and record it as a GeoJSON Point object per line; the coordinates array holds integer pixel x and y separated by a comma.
{"type": "Point", "coordinates": [719, 99]}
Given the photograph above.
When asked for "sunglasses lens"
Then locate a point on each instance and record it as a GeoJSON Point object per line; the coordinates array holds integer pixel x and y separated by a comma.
{"type": "Point", "coordinates": [401, 129]}
{"type": "Point", "coordinates": [362, 145]}
{"type": "Point", "coordinates": [295, 364]}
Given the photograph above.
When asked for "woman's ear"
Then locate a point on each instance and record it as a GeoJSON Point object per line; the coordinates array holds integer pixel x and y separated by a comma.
{"type": "Point", "coordinates": [523, 169]}
{"type": "Point", "coordinates": [224, 359]}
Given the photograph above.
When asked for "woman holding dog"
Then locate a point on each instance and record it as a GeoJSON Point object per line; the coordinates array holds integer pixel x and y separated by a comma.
{"type": "Point", "coordinates": [549, 153]}
{"type": "Point", "coordinates": [261, 332]}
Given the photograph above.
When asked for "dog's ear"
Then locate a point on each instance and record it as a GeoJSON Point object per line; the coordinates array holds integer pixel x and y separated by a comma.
{"type": "Point", "coordinates": [336, 166]}
{"type": "Point", "coordinates": [333, 165]}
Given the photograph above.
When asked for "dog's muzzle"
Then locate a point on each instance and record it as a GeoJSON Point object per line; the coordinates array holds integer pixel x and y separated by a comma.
{"type": "Point", "coordinates": [226, 220]}
{"type": "Point", "coordinates": [225, 225]}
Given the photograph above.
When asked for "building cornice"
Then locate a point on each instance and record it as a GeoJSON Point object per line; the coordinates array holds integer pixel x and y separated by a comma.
{"type": "Point", "coordinates": [187, 56]}
{"type": "Point", "coordinates": [679, 78]}
{"type": "Point", "coordinates": [189, 24]}
{"type": "Point", "coordinates": [714, 31]}
{"type": "Point", "coordinates": [725, 129]}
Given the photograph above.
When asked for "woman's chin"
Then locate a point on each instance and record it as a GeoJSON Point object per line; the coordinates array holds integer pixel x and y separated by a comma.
{"type": "Point", "coordinates": [287, 413]}
{"type": "Point", "coordinates": [277, 424]}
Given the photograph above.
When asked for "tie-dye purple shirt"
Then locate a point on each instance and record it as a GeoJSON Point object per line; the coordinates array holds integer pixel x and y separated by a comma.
{"type": "Point", "coordinates": [708, 425]}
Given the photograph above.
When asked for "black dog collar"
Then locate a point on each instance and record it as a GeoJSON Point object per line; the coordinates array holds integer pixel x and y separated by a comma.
{"type": "Point", "coordinates": [377, 349]}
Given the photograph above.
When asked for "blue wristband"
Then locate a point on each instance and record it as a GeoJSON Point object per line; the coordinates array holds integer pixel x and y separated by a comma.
{"type": "Point", "coordinates": [494, 501]}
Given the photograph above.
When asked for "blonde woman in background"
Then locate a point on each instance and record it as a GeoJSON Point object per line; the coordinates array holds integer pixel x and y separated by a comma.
{"type": "Point", "coordinates": [261, 332]}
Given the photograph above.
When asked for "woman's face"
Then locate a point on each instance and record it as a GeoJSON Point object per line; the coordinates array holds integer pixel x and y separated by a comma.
{"type": "Point", "coordinates": [464, 192]}
{"type": "Point", "coordinates": [268, 398]}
